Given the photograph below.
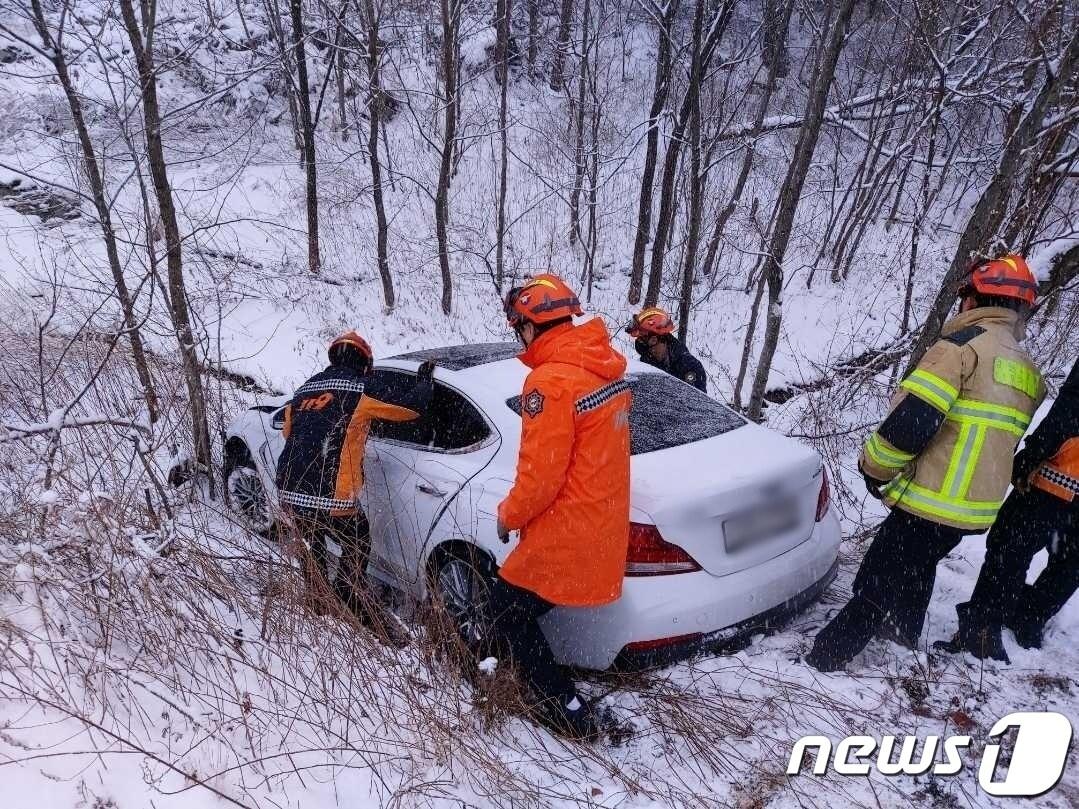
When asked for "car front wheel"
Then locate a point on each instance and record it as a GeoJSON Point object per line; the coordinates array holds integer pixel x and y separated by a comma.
{"type": "Point", "coordinates": [247, 494]}
{"type": "Point", "coordinates": [460, 584]}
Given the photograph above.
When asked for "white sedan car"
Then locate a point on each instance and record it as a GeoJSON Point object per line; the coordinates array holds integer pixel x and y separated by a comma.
{"type": "Point", "coordinates": [731, 525]}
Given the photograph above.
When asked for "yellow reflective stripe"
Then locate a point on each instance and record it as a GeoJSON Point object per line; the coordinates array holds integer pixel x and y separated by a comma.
{"type": "Point", "coordinates": [884, 455]}
{"type": "Point", "coordinates": [1017, 375]}
{"type": "Point", "coordinates": [972, 465]}
{"type": "Point", "coordinates": [986, 414]}
{"type": "Point", "coordinates": [930, 387]}
{"type": "Point", "coordinates": [972, 513]}
{"type": "Point", "coordinates": [960, 457]}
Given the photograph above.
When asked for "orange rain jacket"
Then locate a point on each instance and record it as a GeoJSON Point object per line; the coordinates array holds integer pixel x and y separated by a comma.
{"type": "Point", "coordinates": [571, 496]}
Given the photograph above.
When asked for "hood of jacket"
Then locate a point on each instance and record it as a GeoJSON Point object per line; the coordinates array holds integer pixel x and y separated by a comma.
{"type": "Point", "coordinates": [586, 346]}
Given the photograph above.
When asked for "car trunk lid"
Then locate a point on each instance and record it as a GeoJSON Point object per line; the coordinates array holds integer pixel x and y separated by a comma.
{"type": "Point", "coordinates": [731, 501]}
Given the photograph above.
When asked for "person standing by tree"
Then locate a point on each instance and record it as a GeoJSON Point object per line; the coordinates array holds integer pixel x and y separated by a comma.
{"type": "Point", "coordinates": [653, 333]}
{"type": "Point", "coordinates": [941, 460]}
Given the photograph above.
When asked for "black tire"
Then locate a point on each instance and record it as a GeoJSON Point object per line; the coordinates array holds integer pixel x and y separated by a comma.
{"type": "Point", "coordinates": [460, 584]}
{"type": "Point", "coordinates": [246, 492]}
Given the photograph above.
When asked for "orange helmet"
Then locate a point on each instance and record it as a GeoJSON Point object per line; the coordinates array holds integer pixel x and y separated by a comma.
{"type": "Point", "coordinates": [1005, 277]}
{"type": "Point", "coordinates": [542, 299]}
{"type": "Point", "coordinates": [650, 321]}
{"type": "Point", "coordinates": [347, 343]}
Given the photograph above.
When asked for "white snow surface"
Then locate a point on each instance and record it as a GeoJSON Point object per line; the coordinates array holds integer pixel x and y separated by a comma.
{"type": "Point", "coordinates": [714, 731]}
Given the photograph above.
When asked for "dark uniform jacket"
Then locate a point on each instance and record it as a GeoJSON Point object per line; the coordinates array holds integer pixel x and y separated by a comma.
{"type": "Point", "coordinates": [326, 427]}
{"type": "Point", "coordinates": [680, 363]}
{"type": "Point", "coordinates": [1059, 424]}
{"type": "Point", "coordinates": [1051, 452]}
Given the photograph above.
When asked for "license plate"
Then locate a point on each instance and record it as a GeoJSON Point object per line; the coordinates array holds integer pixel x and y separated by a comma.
{"type": "Point", "coordinates": [760, 524]}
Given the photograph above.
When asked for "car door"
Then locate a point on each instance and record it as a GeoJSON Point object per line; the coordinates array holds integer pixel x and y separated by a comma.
{"type": "Point", "coordinates": [414, 471]}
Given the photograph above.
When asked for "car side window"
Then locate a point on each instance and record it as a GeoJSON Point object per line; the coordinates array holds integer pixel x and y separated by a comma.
{"type": "Point", "coordinates": [450, 423]}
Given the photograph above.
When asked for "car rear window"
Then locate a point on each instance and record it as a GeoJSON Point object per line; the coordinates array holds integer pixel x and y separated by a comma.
{"type": "Point", "coordinates": [667, 412]}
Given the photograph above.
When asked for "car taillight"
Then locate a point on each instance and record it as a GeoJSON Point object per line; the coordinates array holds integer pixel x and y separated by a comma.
{"type": "Point", "coordinates": [660, 643]}
{"type": "Point", "coordinates": [825, 496]}
{"type": "Point", "coordinates": [651, 555]}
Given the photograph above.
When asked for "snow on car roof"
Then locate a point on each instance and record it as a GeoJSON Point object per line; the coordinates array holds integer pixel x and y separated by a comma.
{"type": "Point", "coordinates": [461, 357]}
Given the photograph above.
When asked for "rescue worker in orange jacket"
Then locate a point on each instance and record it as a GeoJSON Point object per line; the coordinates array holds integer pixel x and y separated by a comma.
{"type": "Point", "coordinates": [570, 498]}
{"type": "Point", "coordinates": [1041, 512]}
{"type": "Point", "coordinates": [320, 470]}
{"type": "Point", "coordinates": [941, 459]}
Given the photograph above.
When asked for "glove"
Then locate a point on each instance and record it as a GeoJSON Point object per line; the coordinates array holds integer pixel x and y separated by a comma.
{"type": "Point", "coordinates": [503, 533]}
{"type": "Point", "coordinates": [872, 485]}
{"type": "Point", "coordinates": [426, 371]}
{"type": "Point", "coordinates": [1023, 467]}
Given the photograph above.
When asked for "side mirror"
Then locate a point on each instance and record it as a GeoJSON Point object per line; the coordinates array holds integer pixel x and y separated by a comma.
{"type": "Point", "coordinates": [277, 421]}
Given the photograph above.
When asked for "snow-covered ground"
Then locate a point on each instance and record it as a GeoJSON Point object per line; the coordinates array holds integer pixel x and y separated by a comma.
{"type": "Point", "coordinates": [207, 687]}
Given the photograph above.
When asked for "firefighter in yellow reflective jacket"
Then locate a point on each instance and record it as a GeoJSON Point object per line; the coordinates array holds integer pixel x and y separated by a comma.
{"type": "Point", "coordinates": [941, 460]}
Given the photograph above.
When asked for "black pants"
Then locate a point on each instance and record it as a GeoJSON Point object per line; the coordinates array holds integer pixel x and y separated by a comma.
{"type": "Point", "coordinates": [517, 634]}
{"type": "Point", "coordinates": [1028, 522]}
{"type": "Point", "coordinates": [894, 583]}
{"type": "Point", "coordinates": [352, 534]}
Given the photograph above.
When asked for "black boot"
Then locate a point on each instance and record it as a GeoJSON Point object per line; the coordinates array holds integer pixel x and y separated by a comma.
{"type": "Point", "coordinates": [978, 634]}
{"type": "Point", "coordinates": [572, 718]}
{"type": "Point", "coordinates": [1027, 629]}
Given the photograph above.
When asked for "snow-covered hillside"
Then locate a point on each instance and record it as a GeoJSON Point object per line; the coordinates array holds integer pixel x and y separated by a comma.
{"type": "Point", "coordinates": [155, 652]}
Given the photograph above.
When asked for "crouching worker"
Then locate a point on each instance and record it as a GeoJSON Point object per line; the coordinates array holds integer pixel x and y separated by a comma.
{"type": "Point", "coordinates": [320, 471]}
{"type": "Point", "coordinates": [652, 331]}
{"type": "Point", "coordinates": [570, 499]}
{"type": "Point", "coordinates": [942, 458]}
{"type": "Point", "coordinates": [1041, 512]}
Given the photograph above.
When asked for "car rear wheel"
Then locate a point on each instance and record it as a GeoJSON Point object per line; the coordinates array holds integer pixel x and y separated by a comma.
{"type": "Point", "coordinates": [247, 494]}
{"type": "Point", "coordinates": [460, 583]}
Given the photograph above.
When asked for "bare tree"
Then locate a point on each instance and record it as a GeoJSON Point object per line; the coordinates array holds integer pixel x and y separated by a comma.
{"type": "Point", "coordinates": [142, 41]}
{"type": "Point", "coordinates": [375, 101]}
{"type": "Point", "coordinates": [503, 13]}
{"type": "Point", "coordinates": [790, 192]}
{"type": "Point", "coordinates": [718, 17]}
{"type": "Point", "coordinates": [989, 212]}
{"type": "Point", "coordinates": [558, 63]}
{"type": "Point", "coordinates": [451, 33]}
{"type": "Point", "coordinates": [307, 131]}
{"type": "Point", "coordinates": [52, 48]}
{"type": "Point", "coordinates": [665, 15]}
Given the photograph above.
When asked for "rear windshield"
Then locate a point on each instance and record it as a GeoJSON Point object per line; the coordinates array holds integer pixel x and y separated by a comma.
{"type": "Point", "coordinates": [667, 412]}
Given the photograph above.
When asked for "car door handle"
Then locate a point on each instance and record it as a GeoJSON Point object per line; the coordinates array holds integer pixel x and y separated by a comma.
{"type": "Point", "coordinates": [428, 488]}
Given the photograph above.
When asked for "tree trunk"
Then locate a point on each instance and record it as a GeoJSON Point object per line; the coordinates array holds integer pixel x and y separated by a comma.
{"type": "Point", "coordinates": [774, 39]}
{"type": "Point", "coordinates": [696, 181]}
{"type": "Point", "coordinates": [660, 92]}
{"type": "Point", "coordinates": [717, 24]}
{"type": "Point", "coordinates": [307, 127]}
{"type": "Point", "coordinates": [751, 151]}
{"type": "Point", "coordinates": [503, 67]}
{"type": "Point", "coordinates": [451, 10]}
{"type": "Point", "coordinates": [989, 211]}
{"type": "Point", "coordinates": [561, 45]}
{"type": "Point", "coordinates": [789, 194]}
{"type": "Point", "coordinates": [104, 215]}
{"type": "Point", "coordinates": [374, 112]}
{"type": "Point", "coordinates": [533, 36]}
{"type": "Point", "coordinates": [155, 152]}
{"type": "Point", "coordinates": [579, 165]}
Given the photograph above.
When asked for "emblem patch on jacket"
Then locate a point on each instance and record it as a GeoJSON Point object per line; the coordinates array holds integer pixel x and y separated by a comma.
{"type": "Point", "coordinates": [532, 403]}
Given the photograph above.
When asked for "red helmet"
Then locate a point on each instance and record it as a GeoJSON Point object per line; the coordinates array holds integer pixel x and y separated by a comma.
{"type": "Point", "coordinates": [1005, 277]}
{"type": "Point", "coordinates": [543, 299]}
{"type": "Point", "coordinates": [650, 321]}
{"type": "Point", "coordinates": [349, 342]}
